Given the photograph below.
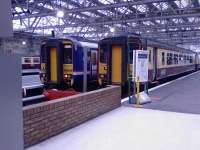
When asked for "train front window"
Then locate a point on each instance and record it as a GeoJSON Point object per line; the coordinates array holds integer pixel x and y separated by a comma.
{"type": "Point", "coordinates": [43, 54]}
{"type": "Point", "coordinates": [94, 58]}
{"type": "Point", "coordinates": [67, 54]}
{"type": "Point", "coordinates": [103, 56]}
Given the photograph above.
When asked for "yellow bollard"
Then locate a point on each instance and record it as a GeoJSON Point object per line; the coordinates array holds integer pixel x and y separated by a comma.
{"type": "Point", "coordinates": [137, 105]}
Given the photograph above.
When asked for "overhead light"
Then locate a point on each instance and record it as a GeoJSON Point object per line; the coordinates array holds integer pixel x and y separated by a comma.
{"type": "Point", "coordinates": [23, 42]}
{"type": "Point", "coordinates": [60, 14]}
{"type": "Point", "coordinates": [112, 30]}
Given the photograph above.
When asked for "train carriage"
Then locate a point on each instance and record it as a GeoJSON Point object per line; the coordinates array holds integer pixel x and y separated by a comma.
{"type": "Point", "coordinates": [164, 60]}
{"type": "Point", "coordinates": [113, 65]}
{"type": "Point", "coordinates": [62, 62]}
{"type": "Point", "coordinates": [197, 60]}
{"type": "Point", "coordinates": [30, 62]}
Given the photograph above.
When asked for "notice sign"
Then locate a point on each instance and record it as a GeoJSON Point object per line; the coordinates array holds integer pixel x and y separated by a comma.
{"type": "Point", "coordinates": [140, 65]}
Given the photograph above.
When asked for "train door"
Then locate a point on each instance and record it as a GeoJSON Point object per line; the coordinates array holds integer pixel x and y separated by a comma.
{"type": "Point", "coordinates": [116, 64]}
{"type": "Point", "coordinates": [154, 63]}
{"type": "Point", "coordinates": [53, 65]}
{"type": "Point", "coordinates": [94, 63]}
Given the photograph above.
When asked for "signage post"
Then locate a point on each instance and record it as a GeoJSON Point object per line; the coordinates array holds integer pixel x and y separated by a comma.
{"type": "Point", "coordinates": [140, 76]}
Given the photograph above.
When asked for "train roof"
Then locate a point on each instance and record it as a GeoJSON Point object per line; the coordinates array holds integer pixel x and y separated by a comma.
{"type": "Point", "coordinates": [78, 41]}
{"type": "Point", "coordinates": [150, 42]}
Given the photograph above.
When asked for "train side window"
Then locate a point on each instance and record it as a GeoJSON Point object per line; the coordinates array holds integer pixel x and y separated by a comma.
{"type": "Point", "coordinates": [191, 61]}
{"type": "Point", "coordinates": [188, 59]}
{"type": "Point", "coordinates": [180, 57]}
{"type": "Point", "coordinates": [163, 58]}
{"type": "Point", "coordinates": [184, 58]}
{"type": "Point", "coordinates": [67, 54]}
{"type": "Point", "coordinates": [175, 58]}
{"type": "Point", "coordinates": [36, 60]}
{"type": "Point", "coordinates": [169, 58]}
{"type": "Point", "coordinates": [27, 60]}
{"type": "Point", "coordinates": [150, 56]}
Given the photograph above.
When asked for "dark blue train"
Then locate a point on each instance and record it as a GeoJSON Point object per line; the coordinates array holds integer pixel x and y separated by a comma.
{"type": "Point", "coordinates": [62, 62]}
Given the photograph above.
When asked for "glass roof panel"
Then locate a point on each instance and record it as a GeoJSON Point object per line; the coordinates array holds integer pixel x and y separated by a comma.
{"type": "Point", "coordinates": [161, 6]}
{"type": "Point", "coordinates": [107, 1]}
{"type": "Point", "coordinates": [142, 8]}
{"type": "Point", "coordinates": [182, 3]}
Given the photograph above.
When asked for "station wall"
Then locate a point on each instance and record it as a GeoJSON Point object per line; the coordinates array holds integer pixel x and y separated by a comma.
{"type": "Point", "coordinates": [20, 45]}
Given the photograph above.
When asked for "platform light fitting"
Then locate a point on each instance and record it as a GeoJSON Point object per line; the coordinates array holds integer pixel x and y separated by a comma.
{"type": "Point", "coordinates": [60, 14]}
{"type": "Point", "coordinates": [112, 30]}
{"type": "Point", "coordinates": [23, 42]}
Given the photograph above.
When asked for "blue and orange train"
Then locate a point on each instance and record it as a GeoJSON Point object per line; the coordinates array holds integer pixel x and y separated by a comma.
{"type": "Point", "coordinates": [62, 62]}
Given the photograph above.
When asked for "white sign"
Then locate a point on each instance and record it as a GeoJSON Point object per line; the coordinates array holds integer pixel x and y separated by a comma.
{"type": "Point", "coordinates": [140, 65]}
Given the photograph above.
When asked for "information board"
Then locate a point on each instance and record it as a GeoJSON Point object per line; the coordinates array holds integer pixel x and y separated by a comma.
{"type": "Point", "coordinates": [140, 65]}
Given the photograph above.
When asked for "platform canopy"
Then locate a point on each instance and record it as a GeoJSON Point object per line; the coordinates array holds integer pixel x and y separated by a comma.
{"type": "Point", "coordinates": [173, 21]}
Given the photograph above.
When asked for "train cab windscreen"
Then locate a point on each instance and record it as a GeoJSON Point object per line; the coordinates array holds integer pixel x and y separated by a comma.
{"type": "Point", "coordinates": [43, 55]}
{"type": "Point", "coordinates": [67, 54]}
{"type": "Point", "coordinates": [103, 55]}
{"type": "Point", "coordinates": [133, 46]}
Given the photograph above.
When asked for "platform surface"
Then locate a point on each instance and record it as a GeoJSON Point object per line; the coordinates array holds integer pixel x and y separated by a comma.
{"type": "Point", "coordinates": [181, 95]}
{"type": "Point", "coordinates": [127, 128]}
{"type": "Point", "coordinates": [131, 128]}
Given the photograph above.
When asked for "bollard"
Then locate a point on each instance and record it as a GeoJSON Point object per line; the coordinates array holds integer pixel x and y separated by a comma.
{"type": "Point", "coordinates": [137, 105]}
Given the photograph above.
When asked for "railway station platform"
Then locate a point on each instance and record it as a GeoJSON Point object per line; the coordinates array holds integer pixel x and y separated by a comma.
{"type": "Point", "coordinates": [171, 121]}
{"type": "Point", "coordinates": [181, 95]}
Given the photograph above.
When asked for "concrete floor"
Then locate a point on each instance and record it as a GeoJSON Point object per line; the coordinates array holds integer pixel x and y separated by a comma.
{"type": "Point", "coordinates": [181, 95]}
{"type": "Point", "coordinates": [141, 129]}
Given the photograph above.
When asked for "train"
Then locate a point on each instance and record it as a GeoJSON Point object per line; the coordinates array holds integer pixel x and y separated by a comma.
{"type": "Point", "coordinates": [62, 62]}
{"type": "Point", "coordinates": [110, 61]}
{"type": "Point", "coordinates": [32, 87]}
{"type": "Point", "coordinates": [164, 60]}
{"type": "Point", "coordinates": [197, 59]}
{"type": "Point", "coordinates": [30, 62]}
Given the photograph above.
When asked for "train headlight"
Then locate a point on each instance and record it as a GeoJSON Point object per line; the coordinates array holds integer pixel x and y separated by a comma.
{"type": "Point", "coordinates": [101, 76]}
{"type": "Point", "coordinates": [67, 76]}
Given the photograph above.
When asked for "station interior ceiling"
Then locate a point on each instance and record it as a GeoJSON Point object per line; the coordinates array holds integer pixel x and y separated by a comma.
{"type": "Point", "coordinates": [171, 21]}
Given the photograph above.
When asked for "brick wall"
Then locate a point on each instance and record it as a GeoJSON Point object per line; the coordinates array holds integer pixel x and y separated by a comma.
{"type": "Point", "coordinates": [48, 119]}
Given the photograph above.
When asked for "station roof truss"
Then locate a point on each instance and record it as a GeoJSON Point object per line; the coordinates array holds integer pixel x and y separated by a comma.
{"type": "Point", "coordinates": [171, 21]}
